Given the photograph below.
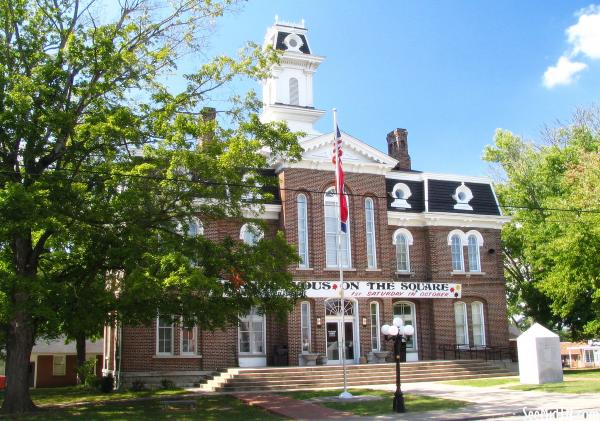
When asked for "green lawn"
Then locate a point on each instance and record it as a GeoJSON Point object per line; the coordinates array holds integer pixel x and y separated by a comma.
{"type": "Point", "coordinates": [490, 382]}
{"type": "Point", "coordinates": [208, 408]}
{"type": "Point", "coordinates": [414, 403]}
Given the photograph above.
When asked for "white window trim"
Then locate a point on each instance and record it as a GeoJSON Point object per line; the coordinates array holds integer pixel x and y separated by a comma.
{"type": "Point", "coordinates": [465, 321]}
{"type": "Point", "coordinates": [308, 326]}
{"type": "Point", "coordinates": [482, 318]}
{"type": "Point", "coordinates": [64, 365]}
{"type": "Point", "coordinates": [406, 194]}
{"type": "Point", "coordinates": [377, 323]}
{"type": "Point", "coordinates": [306, 263]}
{"type": "Point", "coordinates": [157, 338]}
{"type": "Point", "coordinates": [348, 225]}
{"type": "Point", "coordinates": [195, 330]}
{"type": "Point", "coordinates": [463, 240]}
{"type": "Point", "coordinates": [409, 242]}
{"type": "Point", "coordinates": [254, 228]}
{"type": "Point", "coordinates": [264, 339]}
{"type": "Point", "coordinates": [413, 311]}
{"type": "Point", "coordinates": [372, 234]}
{"type": "Point", "coordinates": [479, 238]}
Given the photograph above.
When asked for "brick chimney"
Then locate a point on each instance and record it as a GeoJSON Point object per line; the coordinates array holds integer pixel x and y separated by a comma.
{"type": "Point", "coordinates": [397, 141]}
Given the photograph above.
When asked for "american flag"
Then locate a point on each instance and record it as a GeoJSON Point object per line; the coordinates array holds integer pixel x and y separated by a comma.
{"type": "Point", "coordinates": [339, 172]}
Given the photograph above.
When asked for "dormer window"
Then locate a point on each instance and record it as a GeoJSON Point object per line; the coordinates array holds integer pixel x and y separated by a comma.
{"type": "Point", "coordinates": [462, 196]}
{"type": "Point", "coordinates": [293, 42]}
{"type": "Point", "coordinates": [401, 193]}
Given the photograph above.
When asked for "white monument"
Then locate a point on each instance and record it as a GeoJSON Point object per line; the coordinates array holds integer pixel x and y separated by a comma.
{"type": "Point", "coordinates": [539, 356]}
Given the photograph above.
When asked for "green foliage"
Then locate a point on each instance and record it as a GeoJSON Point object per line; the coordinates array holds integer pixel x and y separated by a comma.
{"type": "Point", "coordinates": [137, 385]}
{"type": "Point", "coordinates": [167, 384]}
{"type": "Point", "coordinates": [551, 246]}
{"type": "Point", "coordinates": [86, 374]}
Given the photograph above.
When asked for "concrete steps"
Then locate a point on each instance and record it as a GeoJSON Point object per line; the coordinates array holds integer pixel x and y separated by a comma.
{"type": "Point", "coordinates": [298, 378]}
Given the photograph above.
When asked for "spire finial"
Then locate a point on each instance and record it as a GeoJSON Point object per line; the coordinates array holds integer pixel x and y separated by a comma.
{"type": "Point", "coordinates": [276, 19]}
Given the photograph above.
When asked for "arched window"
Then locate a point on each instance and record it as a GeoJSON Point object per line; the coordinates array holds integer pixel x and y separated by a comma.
{"type": "Point", "coordinates": [331, 232]}
{"type": "Point", "coordinates": [251, 234]}
{"type": "Point", "coordinates": [474, 242]}
{"type": "Point", "coordinates": [302, 231]}
{"type": "Point", "coordinates": [455, 240]}
{"type": "Point", "coordinates": [294, 94]}
{"type": "Point", "coordinates": [333, 307]}
{"type": "Point", "coordinates": [406, 311]}
{"type": "Point", "coordinates": [478, 323]}
{"type": "Point", "coordinates": [305, 325]}
{"type": "Point", "coordinates": [370, 226]}
{"type": "Point", "coordinates": [460, 323]}
{"type": "Point", "coordinates": [374, 311]}
{"type": "Point", "coordinates": [402, 240]}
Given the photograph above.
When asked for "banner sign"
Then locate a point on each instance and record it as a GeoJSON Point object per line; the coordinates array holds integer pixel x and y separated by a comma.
{"type": "Point", "coordinates": [361, 289]}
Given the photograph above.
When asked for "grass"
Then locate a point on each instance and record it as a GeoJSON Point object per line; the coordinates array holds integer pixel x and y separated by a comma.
{"type": "Point", "coordinates": [575, 381]}
{"type": "Point", "coordinates": [208, 408]}
{"type": "Point", "coordinates": [414, 403]}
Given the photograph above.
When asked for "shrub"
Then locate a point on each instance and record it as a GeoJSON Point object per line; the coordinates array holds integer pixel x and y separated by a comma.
{"type": "Point", "coordinates": [137, 385]}
{"type": "Point", "coordinates": [167, 384]}
{"type": "Point", "coordinates": [87, 374]}
{"type": "Point", "coordinates": [107, 384]}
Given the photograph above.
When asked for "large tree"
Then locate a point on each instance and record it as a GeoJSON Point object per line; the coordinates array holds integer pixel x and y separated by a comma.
{"type": "Point", "coordinates": [103, 166]}
{"type": "Point", "coordinates": [550, 189]}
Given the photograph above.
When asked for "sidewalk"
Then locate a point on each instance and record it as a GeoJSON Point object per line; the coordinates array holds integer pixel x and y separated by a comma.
{"type": "Point", "coordinates": [291, 408]}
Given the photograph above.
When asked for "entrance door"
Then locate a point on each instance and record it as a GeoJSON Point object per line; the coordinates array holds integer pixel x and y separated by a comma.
{"type": "Point", "coordinates": [334, 341]}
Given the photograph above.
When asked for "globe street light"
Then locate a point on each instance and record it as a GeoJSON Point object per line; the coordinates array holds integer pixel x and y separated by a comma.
{"type": "Point", "coordinates": [398, 332]}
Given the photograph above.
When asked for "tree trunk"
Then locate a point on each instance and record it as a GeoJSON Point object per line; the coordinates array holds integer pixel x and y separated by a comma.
{"type": "Point", "coordinates": [19, 342]}
{"type": "Point", "coordinates": [80, 345]}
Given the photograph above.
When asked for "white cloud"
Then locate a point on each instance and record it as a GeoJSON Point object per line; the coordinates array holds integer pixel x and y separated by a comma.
{"type": "Point", "coordinates": [584, 40]}
{"type": "Point", "coordinates": [562, 73]}
{"type": "Point", "coordinates": [584, 36]}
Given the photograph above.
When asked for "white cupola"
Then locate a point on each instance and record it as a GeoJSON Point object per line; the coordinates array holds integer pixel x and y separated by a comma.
{"type": "Point", "coordinates": [288, 92]}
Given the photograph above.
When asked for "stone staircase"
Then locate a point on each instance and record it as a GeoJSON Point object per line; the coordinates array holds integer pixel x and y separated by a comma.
{"type": "Point", "coordinates": [298, 378]}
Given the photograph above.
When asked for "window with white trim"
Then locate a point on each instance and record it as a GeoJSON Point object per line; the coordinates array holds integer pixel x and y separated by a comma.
{"type": "Point", "coordinates": [251, 234]}
{"type": "Point", "coordinates": [460, 323]}
{"type": "Point", "coordinates": [59, 365]}
{"type": "Point", "coordinates": [402, 239]}
{"type": "Point", "coordinates": [302, 230]}
{"type": "Point", "coordinates": [305, 325]}
{"type": "Point", "coordinates": [474, 242]}
{"type": "Point", "coordinates": [374, 311]}
{"type": "Point", "coordinates": [195, 227]}
{"type": "Point", "coordinates": [294, 92]}
{"type": "Point", "coordinates": [252, 333]}
{"type": "Point", "coordinates": [370, 227]}
{"type": "Point", "coordinates": [164, 336]}
{"type": "Point", "coordinates": [331, 232]}
{"type": "Point", "coordinates": [478, 323]}
{"type": "Point", "coordinates": [189, 340]}
{"type": "Point", "coordinates": [406, 311]}
{"type": "Point", "coordinates": [456, 248]}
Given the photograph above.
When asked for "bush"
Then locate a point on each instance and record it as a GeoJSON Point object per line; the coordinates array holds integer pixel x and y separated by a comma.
{"type": "Point", "coordinates": [107, 384]}
{"type": "Point", "coordinates": [167, 384]}
{"type": "Point", "coordinates": [137, 385]}
{"type": "Point", "coordinates": [87, 374]}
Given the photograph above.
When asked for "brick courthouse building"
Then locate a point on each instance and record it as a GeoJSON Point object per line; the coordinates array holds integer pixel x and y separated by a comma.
{"type": "Point", "coordinates": [417, 240]}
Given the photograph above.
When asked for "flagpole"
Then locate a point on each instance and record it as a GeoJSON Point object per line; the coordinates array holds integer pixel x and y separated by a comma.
{"type": "Point", "coordinates": [339, 191]}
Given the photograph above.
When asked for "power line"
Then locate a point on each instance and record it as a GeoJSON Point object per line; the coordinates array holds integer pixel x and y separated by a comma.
{"type": "Point", "coordinates": [298, 190]}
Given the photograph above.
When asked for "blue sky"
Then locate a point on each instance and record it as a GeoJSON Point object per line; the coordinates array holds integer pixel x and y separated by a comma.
{"type": "Point", "coordinates": [450, 72]}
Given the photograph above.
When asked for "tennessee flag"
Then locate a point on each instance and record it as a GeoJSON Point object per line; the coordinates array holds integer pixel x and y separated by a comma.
{"type": "Point", "coordinates": [339, 177]}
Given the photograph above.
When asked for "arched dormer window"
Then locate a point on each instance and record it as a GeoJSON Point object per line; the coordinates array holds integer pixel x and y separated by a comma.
{"type": "Point", "coordinates": [294, 92]}
{"type": "Point", "coordinates": [302, 230]}
{"type": "Point", "coordinates": [332, 228]}
{"type": "Point", "coordinates": [462, 195]}
{"type": "Point", "coordinates": [251, 234]}
{"type": "Point", "coordinates": [401, 193]}
{"type": "Point", "coordinates": [402, 239]}
{"type": "Point", "coordinates": [474, 242]}
{"type": "Point", "coordinates": [456, 241]}
{"type": "Point", "coordinates": [370, 227]}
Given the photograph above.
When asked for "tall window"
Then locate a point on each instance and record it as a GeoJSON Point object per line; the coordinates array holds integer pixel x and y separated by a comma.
{"type": "Point", "coordinates": [188, 340]}
{"type": "Point", "coordinates": [460, 323]}
{"type": "Point", "coordinates": [374, 308]}
{"type": "Point", "coordinates": [195, 227]}
{"type": "Point", "coordinates": [402, 240]}
{"type": "Point", "coordinates": [406, 311]}
{"type": "Point", "coordinates": [164, 336]}
{"type": "Point", "coordinates": [370, 226]}
{"type": "Point", "coordinates": [251, 234]}
{"type": "Point", "coordinates": [478, 323]}
{"type": "Point", "coordinates": [456, 248]}
{"type": "Point", "coordinates": [294, 94]}
{"type": "Point", "coordinates": [59, 365]}
{"type": "Point", "coordinates": [252, 333]}
{"type": "Point", "coordinates": [305, 325]}
{"type": "Point", "coordinates": [302, 230]}
{"type": "Point", "coordinates": [331, 232]}
{"type": "Point", "coordinates": [474, 241]}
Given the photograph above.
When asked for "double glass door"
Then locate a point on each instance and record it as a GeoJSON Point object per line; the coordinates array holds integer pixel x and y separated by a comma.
{"type": "Point", "coordinates": [334, 341]}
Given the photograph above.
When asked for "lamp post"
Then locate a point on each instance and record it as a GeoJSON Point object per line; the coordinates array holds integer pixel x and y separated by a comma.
{"type": "Point", "coordinates": [398, 332]}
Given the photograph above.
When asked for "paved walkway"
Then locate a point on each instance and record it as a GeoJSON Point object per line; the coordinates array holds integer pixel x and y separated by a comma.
{"type": "Point", "coordinates": [291, 408]}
